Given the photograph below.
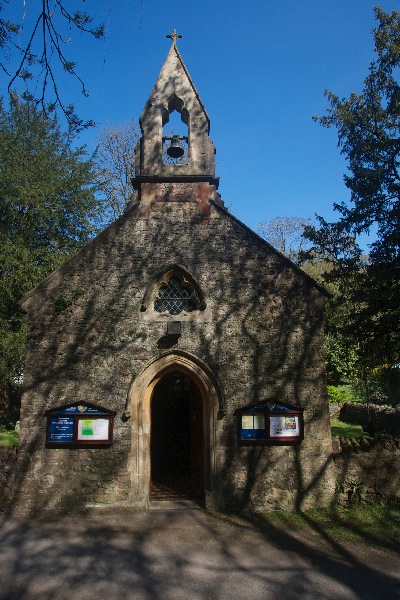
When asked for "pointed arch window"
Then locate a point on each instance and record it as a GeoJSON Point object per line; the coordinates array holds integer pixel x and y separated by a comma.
{"type": "Point", "coordinates": [172, 292]}
{"type": "Point", "coordinates": [175, 297]}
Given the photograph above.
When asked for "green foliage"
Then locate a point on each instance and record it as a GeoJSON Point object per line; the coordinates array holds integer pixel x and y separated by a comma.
{"type": "Point", "coordinates": [48, 210]}
{"type": "Point", "coordinates": [8, 438]}
{"type": "Point", "coordinates": [377, 385]}
{"type": "Point", "coordinates": [368, 128]}
{"type": "Point", "coordinates": [344, 393]}
{"type": "Point", "coordinates": [341, 358]}
{"type": "Point", "coordinates": [338, 394]}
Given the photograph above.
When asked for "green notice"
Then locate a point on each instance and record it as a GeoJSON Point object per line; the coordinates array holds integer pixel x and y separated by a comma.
{"type": "Point", "coordinates": [87, 427]}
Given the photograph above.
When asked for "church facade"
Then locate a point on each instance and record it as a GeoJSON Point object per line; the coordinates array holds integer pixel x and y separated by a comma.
{"type": "Point", "coordinates": [177, 356]}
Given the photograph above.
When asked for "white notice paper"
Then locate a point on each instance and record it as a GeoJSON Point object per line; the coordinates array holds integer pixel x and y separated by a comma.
{"type": "Point", "coordinates": [93, 429]}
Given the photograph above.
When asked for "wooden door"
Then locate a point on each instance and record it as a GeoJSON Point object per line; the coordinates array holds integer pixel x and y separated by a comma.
{"type": "Point", "coordinates": [176, 445]}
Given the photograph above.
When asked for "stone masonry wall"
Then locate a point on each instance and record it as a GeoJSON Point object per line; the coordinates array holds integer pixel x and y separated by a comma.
{"type": "Point", "coordinates": [381, 418]}
{"type": "Point", "coordinates": [367, 469]}
{"type": "Point", "coordinates": [8, 459]}
{"type": "Point", "coordinates": [261, 335]}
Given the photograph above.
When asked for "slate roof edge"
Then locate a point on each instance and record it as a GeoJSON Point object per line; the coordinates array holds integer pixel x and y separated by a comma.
{"type": "Point", "coordinates": [291, 264]}
{"type": "Point", "coordinates": [89, 243]}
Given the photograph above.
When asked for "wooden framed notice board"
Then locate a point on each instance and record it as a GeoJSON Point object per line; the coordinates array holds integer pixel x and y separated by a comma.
{"type": "Point", "coordinates": [80, 424]}
{"type": "Point", "coordinates": [264, 423]}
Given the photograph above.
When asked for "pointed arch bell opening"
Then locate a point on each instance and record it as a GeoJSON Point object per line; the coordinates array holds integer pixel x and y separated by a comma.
{"type": "Point", "coordinates": [175, 136]}
{"type": "Point", "coordinates": [174, 91]}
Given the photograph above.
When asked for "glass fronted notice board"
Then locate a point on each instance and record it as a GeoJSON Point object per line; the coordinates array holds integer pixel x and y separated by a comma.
{"type": "Point", "coordinates": [80, 424]}
{"type": "Point", "coordinates": [269, 423]}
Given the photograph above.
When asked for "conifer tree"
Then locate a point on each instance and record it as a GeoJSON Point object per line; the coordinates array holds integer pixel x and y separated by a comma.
{"type": "Point", "coordinates": [48, 209]}
{"type": "Point", "coordinates": [368, 126]}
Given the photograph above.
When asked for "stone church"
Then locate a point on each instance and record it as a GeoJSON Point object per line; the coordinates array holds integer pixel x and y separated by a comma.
{"type": "Point", "coordinates": [177, 356]}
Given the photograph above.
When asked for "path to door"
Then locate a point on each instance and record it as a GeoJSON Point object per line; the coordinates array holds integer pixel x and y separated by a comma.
{"type": "Point", "coordinates": [184, 555]}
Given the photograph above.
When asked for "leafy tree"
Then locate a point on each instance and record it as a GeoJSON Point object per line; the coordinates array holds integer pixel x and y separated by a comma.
{"type": "Point", "coordinates": [286, 234]}
{"type": "Point", "coordinates": [48, 33]}
{"type": "Point", "coordinates": [48, 210]}
{"type": "Point", "coordinates": [368, 127]}
{"type": "Point", "coordinates": [116, 164]}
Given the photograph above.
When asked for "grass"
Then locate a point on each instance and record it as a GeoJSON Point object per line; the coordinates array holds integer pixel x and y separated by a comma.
{"type": "Point", "coordinates": [8, 438]}
{"type": "Point", "coordinates": [377, 525]}
{"type": "Point", "coordinates": [345, 429]}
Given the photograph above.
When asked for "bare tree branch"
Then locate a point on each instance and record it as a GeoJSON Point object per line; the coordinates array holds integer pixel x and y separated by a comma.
{"type": "Point", "coordinates": [116, 164]}
{"type": "Point", "coordinates": [44, 48]}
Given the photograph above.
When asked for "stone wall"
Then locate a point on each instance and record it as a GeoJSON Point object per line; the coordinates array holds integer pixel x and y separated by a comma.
{"type": "Point", "coordinates": [8, 459]}
{"type": "Point", "coordinates": [259, 337]}
{"type": "Point", "coordinates": [367, 469]}
{"type": "Point", "coordinates": [379, 418]}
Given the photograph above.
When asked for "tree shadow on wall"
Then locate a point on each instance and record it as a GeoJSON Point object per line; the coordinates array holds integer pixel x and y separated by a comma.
{"type": "Point", "coordinates": [260, 344]}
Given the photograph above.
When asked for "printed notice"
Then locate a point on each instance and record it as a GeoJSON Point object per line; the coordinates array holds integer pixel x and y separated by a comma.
{"type": "Point", "coordinates": [93, 429]}
{"type": "Point", "coordinates": [247, 421]}
{"type": "Point", "coordinates": [284, 426]}
{"type": "Point", "coordinates": [259, 422]}
{"type": "Point", "coordinates": [87, 427]}
{"type": "Point", "coordinates": [61, 429]}
{"type": "Point", "coordinates": [253, 428]}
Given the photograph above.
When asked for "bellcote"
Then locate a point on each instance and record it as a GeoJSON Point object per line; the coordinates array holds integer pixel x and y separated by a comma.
{"type": "Point", "coordinates": [174, 91]}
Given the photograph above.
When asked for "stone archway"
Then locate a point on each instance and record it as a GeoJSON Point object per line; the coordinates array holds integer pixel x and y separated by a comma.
{"type": "Point", "coordinates": [139, 408]}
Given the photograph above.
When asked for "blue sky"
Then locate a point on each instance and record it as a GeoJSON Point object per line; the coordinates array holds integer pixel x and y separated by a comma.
{"type": "Point", "coordinates": [260, 67]}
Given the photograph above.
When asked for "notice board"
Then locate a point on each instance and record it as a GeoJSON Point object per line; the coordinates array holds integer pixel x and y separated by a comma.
{"type": "Point", "coordinates": [270, 423]}
{"type": "Point", "coordinates": [80, 424]}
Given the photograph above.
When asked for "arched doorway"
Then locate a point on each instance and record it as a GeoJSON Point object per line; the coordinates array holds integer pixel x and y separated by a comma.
{"type": "Point", "coordinates": [176, 439]}
{"type": "Point", "coordinates": [138, 412]}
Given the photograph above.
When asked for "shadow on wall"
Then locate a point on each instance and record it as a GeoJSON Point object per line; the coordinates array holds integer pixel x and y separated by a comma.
{"type": "Point", "coordinates": [265, 341]}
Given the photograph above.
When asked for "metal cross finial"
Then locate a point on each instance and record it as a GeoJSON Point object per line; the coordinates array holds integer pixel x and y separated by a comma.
{"type": "Point", "coordinates": [174, 36]}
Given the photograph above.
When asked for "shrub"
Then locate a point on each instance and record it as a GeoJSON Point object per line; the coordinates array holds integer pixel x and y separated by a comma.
{"type": "Point", "coordinates": [337, 395]}
{"type": "Point", "coordinates": [8, 438]}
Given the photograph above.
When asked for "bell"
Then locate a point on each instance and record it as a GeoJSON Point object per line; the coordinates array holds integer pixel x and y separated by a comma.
{"type": "Point", "coordinates": [174, 150]}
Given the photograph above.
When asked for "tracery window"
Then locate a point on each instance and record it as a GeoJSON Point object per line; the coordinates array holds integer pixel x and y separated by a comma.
{"type": "Point", "coordinates": [176, 296]}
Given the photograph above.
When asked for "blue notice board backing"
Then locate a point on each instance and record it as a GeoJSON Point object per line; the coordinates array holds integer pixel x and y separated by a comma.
{"type": "Point", "coordinates": [79, 425]}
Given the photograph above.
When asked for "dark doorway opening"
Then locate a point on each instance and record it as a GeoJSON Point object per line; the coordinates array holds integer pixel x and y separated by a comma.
{"type": "Point", "coordinates": [176, 446]}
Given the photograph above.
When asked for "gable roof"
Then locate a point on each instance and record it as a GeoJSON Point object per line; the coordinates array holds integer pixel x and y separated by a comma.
{"type": "Point", "coordinates": [173, 79]}
{"type": "Point", "coordinates": [287, 260]}
{"type": "Point", "coordinates": [218, 206]}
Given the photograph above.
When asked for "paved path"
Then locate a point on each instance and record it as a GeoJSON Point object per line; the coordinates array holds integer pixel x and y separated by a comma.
{"type": "Point", "coordinates": [184, 555]}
